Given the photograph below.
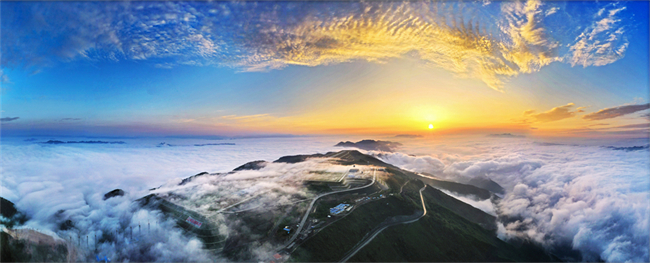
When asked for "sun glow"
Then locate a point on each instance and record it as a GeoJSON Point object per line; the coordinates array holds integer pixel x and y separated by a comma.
{"type": "Point", "coordinates": [430, 126]}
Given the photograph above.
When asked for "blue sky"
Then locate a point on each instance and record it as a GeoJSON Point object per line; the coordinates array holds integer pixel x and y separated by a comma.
{"type": "Point", "coordinates": [163, 68]}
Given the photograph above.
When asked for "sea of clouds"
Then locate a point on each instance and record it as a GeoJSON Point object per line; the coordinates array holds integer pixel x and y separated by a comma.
{"type": "Point", "coordinates": [577, 195]}
{"type": "Point", "coordinates": [53, 183]}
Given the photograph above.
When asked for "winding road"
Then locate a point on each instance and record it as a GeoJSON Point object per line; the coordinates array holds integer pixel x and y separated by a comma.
{"type": "Point", "coordinates": [304, 218]}
{"type": "Point", "coordinates": [363, 243]}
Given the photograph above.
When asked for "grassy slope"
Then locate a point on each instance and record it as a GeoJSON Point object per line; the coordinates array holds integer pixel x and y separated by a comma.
{"type": "Point", "coordinates": [443, 236]}
{"type": "Point", "coordinates": [207, 233]}
{"type": "Point", "coordinates": [13, 250]}
{"type": "Point", "coordinates": [451, 231]}
{"type": "Point", "coordinates": [462, 189]}
{"type": "Point", "coordinates": [460, 208]}
{"type": "Point", "coordinates": [456, 206]}
{"type": "Point", "coordinates": [335, 240]}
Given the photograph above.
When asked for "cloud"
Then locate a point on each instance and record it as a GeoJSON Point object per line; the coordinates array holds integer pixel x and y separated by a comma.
{"type": "Point", "coordinates": [631, 126]}
{"type": "Point", "coordinates": [8, 119]}
{"type": "Point", "coordinates": [88, 31]}
{"type": "Point", "coordinates": [43, 180]}
{"type": "Point", "coordinates": [630, 130]}
{"type": "Point", "coordinates": [482, 169]}
{"type": "Point", "coordinates": [603, 42]}
{"type": "Point", "coordinates": [247, 118]}
{"type": "Point", "coordinates": [614, 112]}
{"type": "Point", "coordinates": [269, 193]}
{"type": "Point", "coordinates": [588, 198]}
{"type": "Point", "coordinates": [629, 133]}
{"type": "Point", "coordinates": [184, 120]}
{"type": "Point", "coordinates": [3, 77]}
{"type": "Point", "coordinates": [70, 119]}
{"type": "Point", "coordinates": [421, 164]}
{"type": "Point", "coordinates": [408, 136]}
{"type": "Point", "coordinates": [384, 31]}
{"type": "Point", "coordinates": [519, 38]}
{"type": "Point", "coordinates": [552, 11]}
{"type": "Point", "coordinates": [554, 114]}
{"type": "Point", "coordinates": [584, 198]}
{"type": "Point", "coordinates": [485, 205]}
{"type": "Point", "coordinates": [598, 124]}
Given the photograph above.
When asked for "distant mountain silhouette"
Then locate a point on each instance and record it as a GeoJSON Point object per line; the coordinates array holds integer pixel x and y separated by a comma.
{"type": "Point", "coordinates": [254, 165]}
{"type": "Point", "coordinates": [208, 144]}
{"type": "Point", "coordinates": [86, 142]}
{"type": "Point", "coordinates": [505, 135]}
{"type": "Point", "coordinates": [371, 145]}
{"type": "Point", "coordinates": [629, 149]}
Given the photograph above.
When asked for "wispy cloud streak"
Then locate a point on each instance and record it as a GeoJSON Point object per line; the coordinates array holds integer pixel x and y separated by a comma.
{"type": "Point", "coordinates": [554, 114]}
{"type": "Point", "coordinates": [603, 42]}
{"type": "Point", "coordinates": [614, 112]}
{"type": "Point", "coordinates": [8, 119]}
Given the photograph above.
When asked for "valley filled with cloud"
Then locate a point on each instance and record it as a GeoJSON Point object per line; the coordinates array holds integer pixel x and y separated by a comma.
{"type": "Point", "coordinates": [586, 197]}
{"type": "Point", "coordinates": [580, 197]}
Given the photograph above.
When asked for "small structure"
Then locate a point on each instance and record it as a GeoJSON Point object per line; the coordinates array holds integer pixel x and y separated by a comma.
{"type": "Point", "coordinates": [194, 222]}
{"type": "Point", "coordinates": [338, 209]}
{"type": "Point", "coordinates": [362, 199]}
{"type": "Point", "coordinates": [105, 259]}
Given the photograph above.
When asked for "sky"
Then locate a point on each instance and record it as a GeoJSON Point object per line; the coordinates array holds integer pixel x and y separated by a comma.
{"type": "Point", "coordinates": [550, 68]}
{"type": "Point", "coordinates": [348, 69]}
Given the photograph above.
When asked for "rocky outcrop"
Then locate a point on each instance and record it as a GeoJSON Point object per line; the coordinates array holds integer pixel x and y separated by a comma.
{"type": "Point", "coordinates": [114, 193]}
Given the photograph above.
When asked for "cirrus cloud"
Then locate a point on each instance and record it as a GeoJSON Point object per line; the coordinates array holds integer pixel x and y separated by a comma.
{"type": "Point", "coordinates": [462, 38]}
{"type": "Point", "coordinates": [603, 42]}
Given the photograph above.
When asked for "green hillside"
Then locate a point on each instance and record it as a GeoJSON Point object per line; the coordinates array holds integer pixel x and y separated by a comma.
{"type": "Point", "coordinates": [451, 231]}
{"type": "Point", "coordinates": [331, 243]}
{"type": "Point", "coordinates": [461, 189]}
{"type": "Point", "coordinates": [444, 236]}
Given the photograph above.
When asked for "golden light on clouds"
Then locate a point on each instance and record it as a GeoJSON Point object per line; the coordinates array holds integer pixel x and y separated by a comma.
{"type": "Point", "coordinates": [435, 61]}
{"type": "Point", "coordinates": [467, 50]}
{"type": "Point", "coordinates": [365, 66]}
{"type": "Point", "coordinates": [513, 42]}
